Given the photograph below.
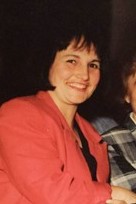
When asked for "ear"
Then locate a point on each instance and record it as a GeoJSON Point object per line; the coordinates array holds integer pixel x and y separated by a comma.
{"type": "Point", "coordinates": [127, 99]}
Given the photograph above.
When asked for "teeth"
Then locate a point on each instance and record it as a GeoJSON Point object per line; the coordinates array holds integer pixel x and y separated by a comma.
{"type": "Point", "coordinates": [77, 85]}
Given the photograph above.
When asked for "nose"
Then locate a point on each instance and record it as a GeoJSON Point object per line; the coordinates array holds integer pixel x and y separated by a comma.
{"type": "Point", "coordinates": [83, 72]}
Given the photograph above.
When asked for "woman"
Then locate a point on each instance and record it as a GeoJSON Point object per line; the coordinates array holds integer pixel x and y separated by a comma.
{"type": "Point", "coordinates": [49, 154]}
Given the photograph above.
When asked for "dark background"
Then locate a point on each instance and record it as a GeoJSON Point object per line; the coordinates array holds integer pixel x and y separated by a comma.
{"type": "Point", "coordinates": [18, 28]}
{"type": "Point", "coordinates": [122, 44]}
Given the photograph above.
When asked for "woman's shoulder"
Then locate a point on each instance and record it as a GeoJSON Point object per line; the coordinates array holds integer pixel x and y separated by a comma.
{"type": "Point", "coordinates": [24, 102]}
{"type": "Point", "coordinates": [29, 108]}
{"type": "Point", "coordinates": [24, 105]}
{"type": "Point", "coordinates": [103, 124]}
{"type": "Point", "coordinates": [17, 104]}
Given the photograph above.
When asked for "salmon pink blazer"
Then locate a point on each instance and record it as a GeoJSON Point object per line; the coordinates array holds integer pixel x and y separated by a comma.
{"type": "Point", "coordinates": [41, 163]}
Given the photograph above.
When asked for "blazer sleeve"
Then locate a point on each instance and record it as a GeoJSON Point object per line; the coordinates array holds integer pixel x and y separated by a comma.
{"type": "Point", "coordinates": [32, 161]}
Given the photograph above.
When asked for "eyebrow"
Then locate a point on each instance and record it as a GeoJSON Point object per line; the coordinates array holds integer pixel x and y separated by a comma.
{"type": "Point", "coordinates": [96, 60]}
{"type": "Point", "coordinates": [76, 56]}
{"type": "Point", "coordinates": [71, 55]}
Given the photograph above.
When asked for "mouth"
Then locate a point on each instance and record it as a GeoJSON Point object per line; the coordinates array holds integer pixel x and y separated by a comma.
{"type": "Point", "coordinates": [79, 86]}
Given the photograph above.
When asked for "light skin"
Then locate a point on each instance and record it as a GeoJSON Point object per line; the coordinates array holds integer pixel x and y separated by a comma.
{"type": "Point", "coordinates": [75, 73]}
{"type": "Point", "coordinates": [131, 94]}
{"type": "Point", "coordinates": [121, 195]}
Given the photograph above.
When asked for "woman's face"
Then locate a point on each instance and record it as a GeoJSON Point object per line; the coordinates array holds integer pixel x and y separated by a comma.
{"type": "Point", "coordinates": [131, 94]}
{"type": "Point", "coordinates": [75, 73]}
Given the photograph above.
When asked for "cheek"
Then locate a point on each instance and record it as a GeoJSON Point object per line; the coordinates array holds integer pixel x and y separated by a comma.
{"type": "Point", "coordinates": [134, 99]}
{"type": "Point", "coordinates": [132, 92]}
{"type": "Point", "coordinates": [64, 75]}
{"type": "Point", "coordinates": [95, 77]}
{"type": "Point", "coordinates": [98, 78]}
{"type": "Point", "coordinates": [131, 97]}
{"type": "Point", "coordinates": [133, 106]}
{"type": "Point", "coordinates": [57, 76]}
{"type": "Point", "coordinates": [51, 77]}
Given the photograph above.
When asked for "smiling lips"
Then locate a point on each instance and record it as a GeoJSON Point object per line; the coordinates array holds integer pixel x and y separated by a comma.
{"type": "Point", "coordinates": [79, 86]}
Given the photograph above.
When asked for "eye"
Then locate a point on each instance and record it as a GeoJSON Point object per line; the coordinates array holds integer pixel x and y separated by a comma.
{"type": "Point", "coordinates": [71, 61]}
{"type": "Point", "coordinates": [94, 65]}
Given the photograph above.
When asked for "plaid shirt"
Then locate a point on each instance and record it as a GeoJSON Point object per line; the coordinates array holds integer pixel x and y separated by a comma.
{"type": "Point", "coordinates": [122, 154]}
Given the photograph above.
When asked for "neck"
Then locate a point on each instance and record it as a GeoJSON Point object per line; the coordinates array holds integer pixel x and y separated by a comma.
{"type": "Point", "coordinates": [69, 116]}
{"type": "Point", "coordinates": [67, 110]}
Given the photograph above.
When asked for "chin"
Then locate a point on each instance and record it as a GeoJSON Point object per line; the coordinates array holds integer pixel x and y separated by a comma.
{"type": "Point", "coordinates": [78, 102]}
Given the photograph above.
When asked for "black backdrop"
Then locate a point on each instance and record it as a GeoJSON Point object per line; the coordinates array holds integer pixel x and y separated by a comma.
{"type": "Point", "coordinates": [118, 16]}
